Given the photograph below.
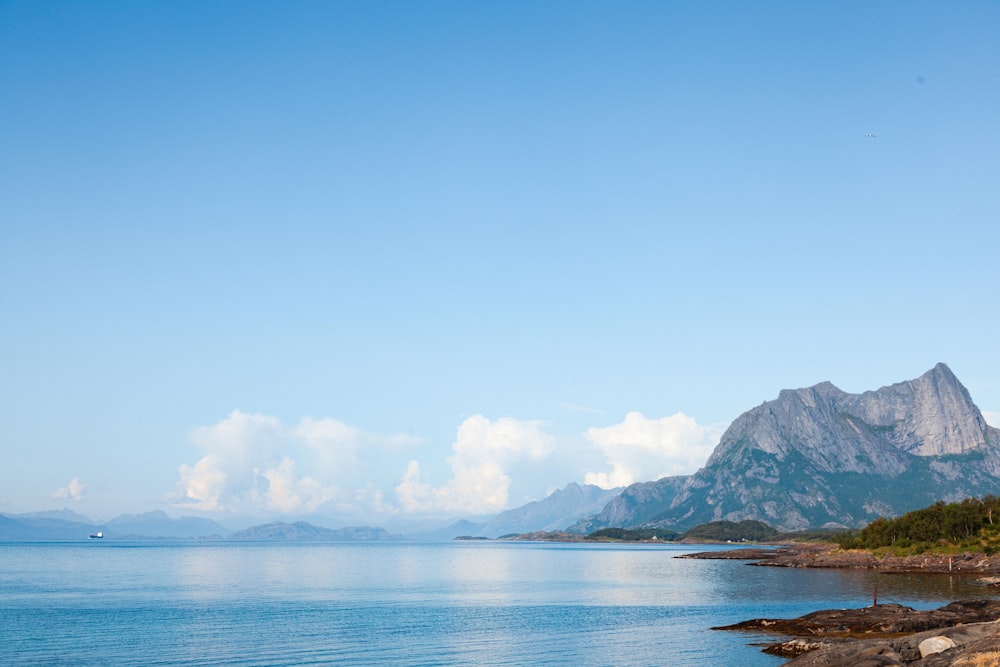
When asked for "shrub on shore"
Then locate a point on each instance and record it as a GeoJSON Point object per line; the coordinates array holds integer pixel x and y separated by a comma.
{"type": "Point", "coordinates": [970, 525]}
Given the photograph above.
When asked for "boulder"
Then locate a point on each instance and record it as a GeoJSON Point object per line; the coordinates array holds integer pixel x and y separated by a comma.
{"type": "Point", "coordinates": [933, 645]}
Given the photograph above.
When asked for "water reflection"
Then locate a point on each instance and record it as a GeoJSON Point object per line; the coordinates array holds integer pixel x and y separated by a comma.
{"type": "Point", "coordinates": [444, 604]}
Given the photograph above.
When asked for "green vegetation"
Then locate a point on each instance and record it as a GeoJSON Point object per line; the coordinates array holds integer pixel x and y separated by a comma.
{"type": "Point", "coordinates": [970, 525]}
{"type": "Point", "coordinates": [716, 531]}
{"type": "Point", "coordinates": [633, 535]}
{"type": "Point", "coordinates": [728, 531]}
{"type": "Point", "coordinates": [828, 535]}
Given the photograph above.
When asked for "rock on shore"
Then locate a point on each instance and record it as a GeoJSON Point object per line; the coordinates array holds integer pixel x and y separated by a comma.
{"type": "Point", "coordinates": [961, 633]}
{"type": "Point", "coordinates": [827, 556]}
{"type": "Point", "coordinates": [967, 563]}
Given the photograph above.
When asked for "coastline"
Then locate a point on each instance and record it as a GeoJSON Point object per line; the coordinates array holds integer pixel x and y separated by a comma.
{"type": "Point", "coordinates": [966, 632]}
{"type": "Point", "coordinates": [829, 556]}
{"type": "Point", "coordinates": [963, 633]}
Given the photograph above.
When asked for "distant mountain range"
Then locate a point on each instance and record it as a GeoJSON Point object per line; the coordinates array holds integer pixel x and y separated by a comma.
{"type": "Point", "coordinates": [159, 524]}
{"type": "Point", "coordinates": [558, 510]}
{"type": "Point", "coordinates": [811, 458]}
{"type": "Point", "coordinates": [66, 524]}
{"type": "Point", "coordinates": [821, 457]}
{"type": "Point", "coordinates": [48, 526]}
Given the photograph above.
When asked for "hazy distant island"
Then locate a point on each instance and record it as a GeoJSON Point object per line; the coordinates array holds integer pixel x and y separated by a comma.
{"type": "Point", "coordinates": [303, 531]}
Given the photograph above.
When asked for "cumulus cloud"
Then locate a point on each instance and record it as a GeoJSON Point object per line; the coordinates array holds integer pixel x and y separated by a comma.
{"type": "Point", "coordinates": [992, 418]}
{"type": "Point", "coordinates": [482, 456]}
{"type": "Point", "coordinates": [228, 476]}
{"type": "Point", "coordinates": [288, 493]}
{"type": "Point", "coordinates": [338, 446]}
{"type": "Point", "coordinates": [73, 491]}
{"type": "Point", "coordinates": [202, 485]}
{"type": "Point", "coordinates": [252, 462]}
{"type": "Point", "coordinates": [640, 449]}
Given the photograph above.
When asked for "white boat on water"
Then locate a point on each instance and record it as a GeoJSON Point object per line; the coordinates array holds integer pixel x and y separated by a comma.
{"type": "Point", "coordinates": [96, 536]}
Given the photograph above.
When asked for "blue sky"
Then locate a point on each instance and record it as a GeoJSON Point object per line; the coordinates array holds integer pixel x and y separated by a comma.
{"type": "Point", "coordinates": [387, 259]}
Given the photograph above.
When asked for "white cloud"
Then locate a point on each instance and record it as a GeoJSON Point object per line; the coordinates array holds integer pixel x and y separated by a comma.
{"type": "Point", "coordinates": [640, 449]}
{"type": "Point", "coordinates": [73, 491]}
{"type": "Point", "coordinates": [227, 477]}
{"type": "Point", "coordinates": [338, 446]}
{"type": "Point", "coordinates": [253, 462]}
{"type": "Point", "coordinates": [413, 494]}
{"type": "Point", "coordinates": [288, 494]}
{"type": "Point", "coordinates": [992, 418]}
{"type": "Point", "coordinates": [482, 456]}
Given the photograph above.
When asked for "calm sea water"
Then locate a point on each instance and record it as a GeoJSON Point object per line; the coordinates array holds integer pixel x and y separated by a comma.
{"type": "Point", "coordinates": [407, 604]}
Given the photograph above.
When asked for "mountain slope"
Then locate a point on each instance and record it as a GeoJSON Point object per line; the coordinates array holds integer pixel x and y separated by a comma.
{"type": "Point", "coordinates": [558, 510]}
{"type": "Point", "coordinates": [635, 505]}
{"type": "Point", "coordinates": [43, 528]}
{"type": "Point", "coordinates": [822, 457]}
{"type": "Point", "coordinates": [160, 524]}
{"type": "Point", "coordinates": [65, 514]}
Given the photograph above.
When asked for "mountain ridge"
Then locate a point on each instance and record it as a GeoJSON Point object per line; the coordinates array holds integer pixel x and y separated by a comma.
{"type": "Point", "coordinates": [553, 512]}
{"type": "Point", "coordinates": [821, 457]}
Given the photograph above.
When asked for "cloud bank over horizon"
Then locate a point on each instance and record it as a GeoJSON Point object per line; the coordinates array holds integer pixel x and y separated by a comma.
{"type": "Point", "coordinates": [253, 463]}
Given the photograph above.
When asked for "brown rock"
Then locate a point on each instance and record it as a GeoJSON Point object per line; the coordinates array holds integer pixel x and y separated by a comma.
{"type": "Point", "coordinates": [886, 634]}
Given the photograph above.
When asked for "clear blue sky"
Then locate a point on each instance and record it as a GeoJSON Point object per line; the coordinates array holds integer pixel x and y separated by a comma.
{"type": "Point", "coordinates": [372, 259]}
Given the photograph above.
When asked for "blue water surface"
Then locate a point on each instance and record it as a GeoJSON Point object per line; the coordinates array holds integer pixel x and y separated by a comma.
{"type": "Point", "coordinates": [408, 604]}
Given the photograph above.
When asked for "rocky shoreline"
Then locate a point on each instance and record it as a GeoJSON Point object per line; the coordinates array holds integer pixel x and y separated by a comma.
{"type": "Point", "coordinates": [964, 633]}
{"type": "Point", "coordinates": [827, 556]}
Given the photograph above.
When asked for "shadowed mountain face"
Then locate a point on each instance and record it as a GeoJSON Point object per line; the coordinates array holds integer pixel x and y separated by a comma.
{"type": "Point", "coordinates": [636, 505]}
{"type": "Point", "coordinates": [553, 513]}
{"type": "Point", "coordinates": [822, 457]}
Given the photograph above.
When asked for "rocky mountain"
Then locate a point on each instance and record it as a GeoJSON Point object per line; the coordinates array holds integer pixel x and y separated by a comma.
{"type": "Point", "coordinates": [68, 525]}
{"type": "Point", "coordinates": [819, 456]}
{"type": "Point", "coordinates": [30, 528]}
{"type": "Point", "coordinates": [460, 528]}
{"type": "Point", "coordinates": [302, 531]}
{"type": "Point", "coordinates": [559, 509]}
{"type": "Point", "coordinates": [65, 514]}
{"type": "Point", "coordinates": [633, 506]}
{"type": "Point", "coordinates": [159, 524]}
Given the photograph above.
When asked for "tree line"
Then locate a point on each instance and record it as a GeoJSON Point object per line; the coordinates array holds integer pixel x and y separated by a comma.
{"type": "Point", "coordinates": [716, 531]}
{"type": "Point", "coordinates": [972, 524]}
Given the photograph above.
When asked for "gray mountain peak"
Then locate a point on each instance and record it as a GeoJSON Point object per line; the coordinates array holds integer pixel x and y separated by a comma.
{"type": "Point", "coordinates": [932, 415]}
{"type": "Point", "coordinates": [821, 456]}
